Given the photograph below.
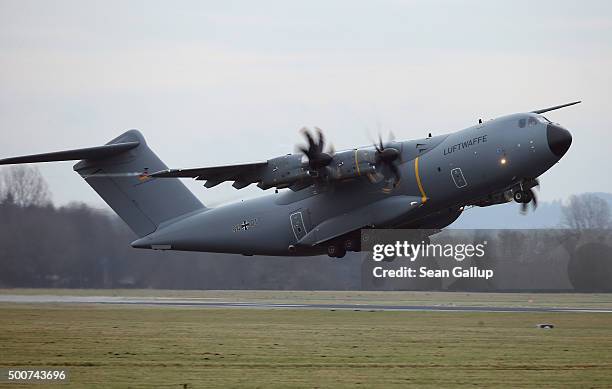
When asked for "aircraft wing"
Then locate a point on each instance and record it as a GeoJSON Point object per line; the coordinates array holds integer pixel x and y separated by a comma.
{"type": "Point", "coordinates": [242, 174]}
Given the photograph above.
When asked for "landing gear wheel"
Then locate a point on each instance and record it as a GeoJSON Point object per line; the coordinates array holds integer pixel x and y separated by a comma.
{"type": "Point", "coordinates": [518, 196]}
{"type": "Point", "coordinates": [522, 197]}
{"type": "Point", "coordinates": [335, 251]}
{"type": "Point", "coordinates": [332, 249]}
{"type": "Point", "coordinates": [350, 245]}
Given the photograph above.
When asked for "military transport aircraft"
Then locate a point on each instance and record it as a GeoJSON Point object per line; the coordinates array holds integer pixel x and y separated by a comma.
{"type": "Point", "coordinates": [330, 196]}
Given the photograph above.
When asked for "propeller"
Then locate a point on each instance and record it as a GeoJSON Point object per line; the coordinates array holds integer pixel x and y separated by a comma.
{"type": "Point", "coordinates": [530, 197]}
{"type": "Point", "coordinates": [317, 158]}
{"type": "Point", "coordinates": [386, 157]}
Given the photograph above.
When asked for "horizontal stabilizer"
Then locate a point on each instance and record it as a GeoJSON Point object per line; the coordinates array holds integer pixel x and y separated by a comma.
{"type": "Point", "coordinates": [91, 153]}
{"type": "Point", "coordinates": [118, 172]}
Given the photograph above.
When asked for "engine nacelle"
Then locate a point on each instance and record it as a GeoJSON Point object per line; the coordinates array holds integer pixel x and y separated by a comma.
{"type": "Point", "coordinates": [284, 171]}
{"type": "Point", "coordinates": [292, 170]}
{"type": "Point", "coordinates": [351, 164]}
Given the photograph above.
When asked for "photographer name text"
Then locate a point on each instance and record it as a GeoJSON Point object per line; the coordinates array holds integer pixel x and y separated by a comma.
{"type": "Point", "coordinates": [425, 272]}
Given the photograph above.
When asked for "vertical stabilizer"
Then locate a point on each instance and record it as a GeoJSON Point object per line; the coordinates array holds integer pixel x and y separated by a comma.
{"type": "Point", "coordinates": [141, 201]}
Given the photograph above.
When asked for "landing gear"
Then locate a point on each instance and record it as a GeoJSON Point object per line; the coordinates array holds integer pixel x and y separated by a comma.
{"type": "Point", "coordinates": [352, 244]}
{"type": "Point", "coordinates": [522, 197]}
{"type": "Point", "coordinates": [335, 251]}
{"type": "Point", "coordinates": [339, 247]}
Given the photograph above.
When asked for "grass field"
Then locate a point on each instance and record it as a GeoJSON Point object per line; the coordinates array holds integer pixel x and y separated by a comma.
{"type": "Point", "coordinates": [170, 347]}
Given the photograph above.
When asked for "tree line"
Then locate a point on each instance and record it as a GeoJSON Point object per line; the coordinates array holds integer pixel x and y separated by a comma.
{"type": "Point", "coordinates": [76, 246]}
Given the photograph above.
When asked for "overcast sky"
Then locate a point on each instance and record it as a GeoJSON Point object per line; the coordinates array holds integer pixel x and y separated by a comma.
{"type": "Point", "coordinates": [220, 82]}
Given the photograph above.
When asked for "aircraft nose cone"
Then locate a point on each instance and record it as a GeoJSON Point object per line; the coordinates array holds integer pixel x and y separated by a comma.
{"type": "Point", "coordinates": [559, 139]}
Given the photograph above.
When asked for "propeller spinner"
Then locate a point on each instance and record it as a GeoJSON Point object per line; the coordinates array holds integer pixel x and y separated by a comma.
{"type": "Point", "coordinates": [385, 158]}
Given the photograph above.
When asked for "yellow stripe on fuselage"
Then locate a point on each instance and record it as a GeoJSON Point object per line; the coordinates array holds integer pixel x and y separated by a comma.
{"type": "Point", "coordinates": [357, 164]}
{"type": "Point", "coordinates": [418, 180]}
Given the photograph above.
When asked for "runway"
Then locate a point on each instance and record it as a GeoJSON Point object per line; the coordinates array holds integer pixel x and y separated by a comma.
{"type": "Point", "coordinates": [217, 303]}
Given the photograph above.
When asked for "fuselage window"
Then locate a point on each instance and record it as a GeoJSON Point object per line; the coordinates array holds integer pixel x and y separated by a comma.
{"type": "Point", "coordinates": [532, 121]}
{"type": "Point", "coordinates": [521, 123]}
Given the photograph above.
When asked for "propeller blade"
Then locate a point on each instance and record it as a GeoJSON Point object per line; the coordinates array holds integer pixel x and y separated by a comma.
{"type": "Point", "coordinates": [321, 140]}
{"type": "Point", "coordinates": [332, 150]}
{"type": "Point", "coordinates": [314, 149]}
{"type": "Point", "coordinates": [394, 169]}
{"type": "Point", "coordinates": [311, 142]}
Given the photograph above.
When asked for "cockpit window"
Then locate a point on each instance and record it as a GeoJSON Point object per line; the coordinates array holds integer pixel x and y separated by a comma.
{"type": "Point", "coordinates": [521, 123]}
{"type": "Point", "coordinates": [532, 121]}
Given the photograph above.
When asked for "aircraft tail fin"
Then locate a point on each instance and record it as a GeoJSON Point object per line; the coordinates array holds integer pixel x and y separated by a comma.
{"type": "Point", "coordinates": [118, 171]}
